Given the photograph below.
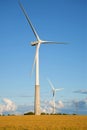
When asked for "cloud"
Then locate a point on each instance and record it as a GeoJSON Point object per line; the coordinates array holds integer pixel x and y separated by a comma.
{"type": "Point", "coordinates": [84, 91]}
{"type": "Point", "coordinates": [81, 104]}
{"type": "Point", "coordinates": [69, 106]}
{"type": "Point", "coordinates": [47, 106]}
{"type": "Point", "coordinates": [75, 106]}
{"type": "Point", "coordinates": [59, 104]}
{"type": "Point", "coordinates": [8, 106]}
{"type": "Point", "coordinates": [24, 108]}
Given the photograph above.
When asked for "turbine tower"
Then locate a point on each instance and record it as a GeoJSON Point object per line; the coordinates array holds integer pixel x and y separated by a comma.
{"type": "Point", "coordinates": [36, 43]}
{"type": "Point", "coordinates": [54, 90]}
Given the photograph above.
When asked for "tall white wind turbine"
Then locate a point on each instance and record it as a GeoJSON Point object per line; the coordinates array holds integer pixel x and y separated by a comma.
{"type": "Point", "coordinates": [54, 90]}
{"type": "Point", "coordinates": [36, 43]}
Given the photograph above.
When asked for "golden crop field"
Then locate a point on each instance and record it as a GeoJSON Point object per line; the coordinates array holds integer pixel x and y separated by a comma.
{"type": "Point", "coordinates": [43, 122]}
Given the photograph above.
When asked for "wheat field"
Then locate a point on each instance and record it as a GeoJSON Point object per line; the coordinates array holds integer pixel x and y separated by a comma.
{"type": "Point", "coordinates": [43, 122]}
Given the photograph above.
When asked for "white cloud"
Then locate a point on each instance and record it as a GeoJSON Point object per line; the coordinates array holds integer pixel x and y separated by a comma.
{"type": "Point", "coordinates": [69, 106]}
{"type": "Point", "coordinates": [83, 91]}
{"type": "Point", "coordinates": [85, 100]}
{"type": "Point", "coordinates": [24, 108]}
{"type": "Point", "coordinates": [75, 106]}
{"type": "Point", "coordinates": [59, 104]}
{"type": "Point", "coordinates": [51, 103]}
{"type": "Point", "coordinates": [48, 106]}
{"type": "Point", "coordinates": [8, 106]}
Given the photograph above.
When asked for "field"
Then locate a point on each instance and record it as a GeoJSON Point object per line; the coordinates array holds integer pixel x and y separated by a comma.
{"type": "Point", "coordinates": [43, 122]}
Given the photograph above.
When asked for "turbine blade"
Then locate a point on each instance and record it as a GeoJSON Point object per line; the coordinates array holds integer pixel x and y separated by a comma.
{"type": "Point", "coordinates": [33, 29]}
{"type": "Point", "coordinates": [53, 42]}
{"type": "Point", "coordinates": [51, 85]}
{"type": "Point", "coordinates": [37, 49]}
{"type": "Point", "coordinates": [59, 89]}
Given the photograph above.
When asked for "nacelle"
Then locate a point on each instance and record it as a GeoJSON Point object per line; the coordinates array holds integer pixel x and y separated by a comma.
{"type": "Point", "coordinates": [34, 43]}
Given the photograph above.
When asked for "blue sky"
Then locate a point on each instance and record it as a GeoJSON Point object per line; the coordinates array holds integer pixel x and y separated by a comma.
{"type": "Point", "coordinates": [64, 65]}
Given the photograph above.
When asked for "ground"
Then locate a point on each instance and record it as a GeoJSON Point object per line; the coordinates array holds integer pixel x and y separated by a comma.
{"type": "Point", "coordinates": [43, 122]}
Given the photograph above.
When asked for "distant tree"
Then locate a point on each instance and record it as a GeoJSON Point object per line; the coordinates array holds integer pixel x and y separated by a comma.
{"type": "Point", "coordinates": [43, 113]}
{"type": "Point", "coordinates": [47, 114]}
{"type": "Point", "coordinates": [29, 113]}
{"type": "Point", "coordinates": [11, 114]}
{"type": "Point", "coordinates": [74, 114]}
{"type": "Point", "coordinates": [58, 113]}
{"type": "Point", "coordinates": [65, 114]}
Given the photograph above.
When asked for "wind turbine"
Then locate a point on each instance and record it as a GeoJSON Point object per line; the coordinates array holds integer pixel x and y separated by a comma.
{"type": "Point", "coordinates": [54, 90]}
{"type": "Point", "coordinates": [36, 43]}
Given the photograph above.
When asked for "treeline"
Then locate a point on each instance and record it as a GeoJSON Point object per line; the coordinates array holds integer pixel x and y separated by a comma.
{"type": "Point", "coordinates": [32, 113]}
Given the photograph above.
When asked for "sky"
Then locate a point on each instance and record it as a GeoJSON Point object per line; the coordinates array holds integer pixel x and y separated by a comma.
{"type": "Point", "coordinates": [64, 65]}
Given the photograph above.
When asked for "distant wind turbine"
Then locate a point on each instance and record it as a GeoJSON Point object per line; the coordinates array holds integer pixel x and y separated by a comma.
{"type": "Point", "coordinates": [36, 43]}
{"type": "Point", "coordinates": [54, 90]}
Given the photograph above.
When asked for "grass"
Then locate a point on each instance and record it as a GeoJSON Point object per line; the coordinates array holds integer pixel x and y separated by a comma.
{"type": "Point", "coordinates": [43, 122]}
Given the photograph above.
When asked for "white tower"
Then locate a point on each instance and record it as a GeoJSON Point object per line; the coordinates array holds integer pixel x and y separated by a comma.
{"type": "Point", "coordinates": [36, 43]}
{"type": "Point", "coordinates": [54, 90]}
{"type": "Point", "coordinates": [37, 88]}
